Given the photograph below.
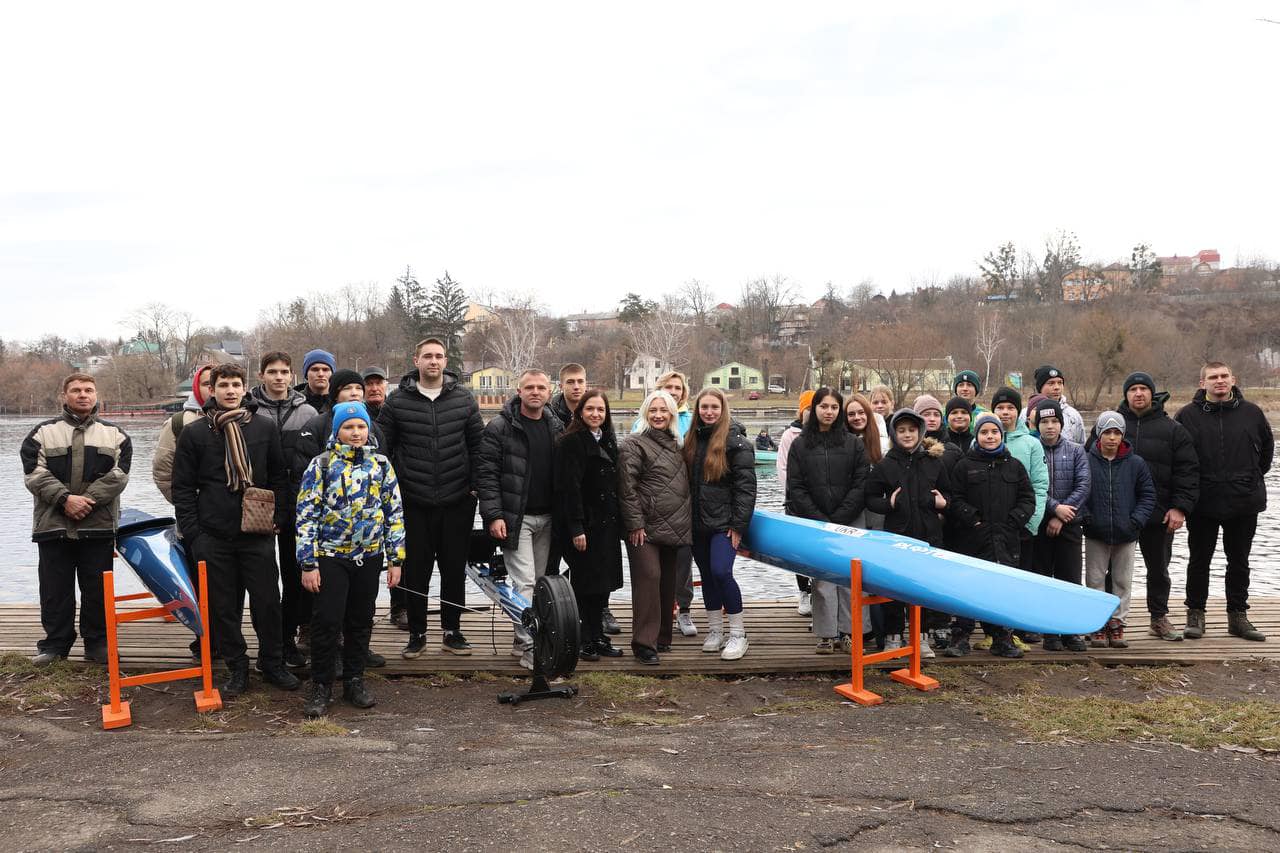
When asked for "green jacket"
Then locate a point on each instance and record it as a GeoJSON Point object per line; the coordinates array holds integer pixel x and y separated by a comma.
{"type": "Point", "coordinates": [67, 456]}
{"type": "Point", "coordinates": [1028, 450]}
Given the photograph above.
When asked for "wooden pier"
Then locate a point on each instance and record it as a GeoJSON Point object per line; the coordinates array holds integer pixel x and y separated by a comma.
{"type": "Point", "coordinates": [780, 643]}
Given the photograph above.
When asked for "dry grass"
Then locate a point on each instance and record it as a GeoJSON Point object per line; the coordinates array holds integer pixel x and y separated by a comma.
{"type": "Point", "coordinates": [23, 685]}
{"type": "Point", "coordinates": [319, 727]}
{"type": "Point", "coordinates": [1190, 720]}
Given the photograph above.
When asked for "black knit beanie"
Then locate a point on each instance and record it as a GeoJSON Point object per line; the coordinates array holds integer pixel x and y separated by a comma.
{"type": "Point", "coordinates": [958, 403]}
{"type": "Point", "coordinates": [1046, 372]}
{"type": "Point", "coordinates": [341, 379]}
{"type": "Point", "coordinates": [1006, 395]}
{"type": "Point", "coordinates": [1139, 378]}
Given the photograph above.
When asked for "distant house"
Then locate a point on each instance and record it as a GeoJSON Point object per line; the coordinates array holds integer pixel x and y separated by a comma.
{"type": "Point", "coordinates": [93, 363]}
{"type": "Point", "coordinates": [223, 352]}
{"type": "Point", "coordinates": [734, 376]}
{"type": "Point", "coordinates": [138, 346]}
{"type": "Point", "coordinates": [1204, 262]}
{"type": "Point", "coordinates": [644, 372]}
{"type": "Point", "coordinates": [601, 321]}
{"type": "Point", "coordinates": [918, 374]}
{"type": "Point", "coordinates": [1084, 284]}
{"type": "Point", "coordinates": [492, 380]}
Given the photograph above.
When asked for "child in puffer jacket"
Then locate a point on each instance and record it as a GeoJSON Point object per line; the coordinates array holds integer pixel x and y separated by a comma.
{"type": "Point", "coordinates": [1122, 496]}
{"type": "Point", "coordinates": [350, 521]}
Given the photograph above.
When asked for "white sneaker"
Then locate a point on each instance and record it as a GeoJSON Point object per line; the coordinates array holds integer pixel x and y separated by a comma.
{"type": "Point", "coordinates": [893, 641]}
{"type": "Point", "coordinates": [685, 623]}
{"type": "Point", "coordinates": [714, 641]}
{"type": "Point", "coordinates": [735, 648]}
{"type": "Point", "coordinates": [517, 648]}
{"type": "Point", "coordinates": [805, 607]}
{"type": "Point", "coordinates": [926, 650]}
{"type": "Point", "coordinates": [526, 659]}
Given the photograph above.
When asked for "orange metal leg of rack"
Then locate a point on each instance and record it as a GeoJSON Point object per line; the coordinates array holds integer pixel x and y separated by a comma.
{"type": "Point", "coordinates": [912, 676]}
{"type": "Point", "coordinates": [116, 714]}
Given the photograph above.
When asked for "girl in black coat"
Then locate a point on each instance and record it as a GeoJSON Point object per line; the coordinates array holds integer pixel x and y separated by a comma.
{"type": "Point", "coordinates": [991, 500]}
{"type": "Point", "coordinates": [826, 467]}
{"type": "Point", "coordinates": [722, 487]}
{"type": "Point", "coordinates": [586, 490]}
{"type": "Point", "coordinates": [911, 488]}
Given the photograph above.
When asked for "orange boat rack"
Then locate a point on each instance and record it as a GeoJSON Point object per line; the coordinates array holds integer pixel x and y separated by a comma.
{"type": "Point", "coordinates": [912, 676]}
{"type": "Point", "coordinates": [116, 714]}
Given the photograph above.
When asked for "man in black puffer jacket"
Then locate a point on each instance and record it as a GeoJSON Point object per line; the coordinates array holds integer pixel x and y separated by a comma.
{"type": "Point", "coordinates": [1170, 454]}
{"type": "Point", "coordinates": [1234, 443]}
{"type": "Point", "coordinates": [432, 428]}
{"type": "Point", "coordinates": [514, 477]}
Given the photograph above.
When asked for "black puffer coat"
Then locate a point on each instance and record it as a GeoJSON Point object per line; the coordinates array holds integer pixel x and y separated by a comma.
{"type": "Point", "coordinates": [991, 502]}
{"type": "Point", "coordinates": [653, 488]}
{"type": "Point", "coordinates": [1167, 448]}
{"type": "Point", "coordinates": [586, 487]}
{"type": "Point", "coordinates": [432, 443]}
{"type": "Point", "coordinates": [290, 416]}
{"type": "Point", "coordinates": [201, 500]}
{"type": "Point", "coordinates": [726, 504]}
{"type": "Point", "coordinates": [502, 468]}
{"type": "Point", "coordinates": [1235, 446]}
{"type": "Point", "coordinates": [917, 473]}
{"type": "Point", "coordinates": [825, 482]}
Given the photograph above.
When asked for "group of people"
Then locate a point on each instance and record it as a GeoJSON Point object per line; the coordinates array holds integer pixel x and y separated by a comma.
{"type": "Point", "coordinates": [358, 479]}
{"type": "Point", "coordinates": [1029, 487]}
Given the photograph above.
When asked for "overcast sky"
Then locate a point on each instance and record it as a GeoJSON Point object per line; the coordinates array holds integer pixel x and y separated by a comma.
{"type": "Point", "coordinates": [225, 157]}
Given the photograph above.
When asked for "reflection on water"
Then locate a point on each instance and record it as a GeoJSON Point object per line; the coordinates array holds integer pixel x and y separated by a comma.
{"type": "Point", "coordinates": [18, 582]}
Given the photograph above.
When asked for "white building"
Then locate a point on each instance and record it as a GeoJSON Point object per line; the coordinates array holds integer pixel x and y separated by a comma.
{"type": "Point", "coordinates": [644, 372]}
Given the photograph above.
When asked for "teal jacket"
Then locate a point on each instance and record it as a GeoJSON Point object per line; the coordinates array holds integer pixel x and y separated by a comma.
{"type": "Point", "coordinates": [349, 506]}
{"type": "Point", "coordinates": [1028, 450]}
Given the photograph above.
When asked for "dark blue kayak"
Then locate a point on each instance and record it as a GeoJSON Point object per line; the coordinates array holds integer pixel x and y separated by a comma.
{"type": "Point", "coordinates": [149, 545]}
{"type": "Point", "coordinates": [914, 572]}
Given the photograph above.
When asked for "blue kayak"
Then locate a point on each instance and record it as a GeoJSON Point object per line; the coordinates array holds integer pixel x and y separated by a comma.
{"type": "Point", "coordinates": [911, 571]}
{"type": "Point", "coordinates": [150, 546]}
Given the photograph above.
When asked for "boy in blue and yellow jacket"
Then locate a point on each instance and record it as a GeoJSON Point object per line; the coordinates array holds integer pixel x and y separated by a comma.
{"type": "Point", "coordinates": [350, 521]}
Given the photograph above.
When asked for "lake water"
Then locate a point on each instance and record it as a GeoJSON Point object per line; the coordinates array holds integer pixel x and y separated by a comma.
{"type": "Point", "coordinates": [18, 581]}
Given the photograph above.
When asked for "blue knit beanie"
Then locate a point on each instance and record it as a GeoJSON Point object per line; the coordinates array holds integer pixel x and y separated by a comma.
{"type": "Point", "coordinates": [344, 412]}
{"type": "Point", "coordinates": [318, 356]}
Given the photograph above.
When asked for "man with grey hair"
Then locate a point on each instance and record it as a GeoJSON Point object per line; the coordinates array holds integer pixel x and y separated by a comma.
{"type": "Point", "coordinates": [514, 485]}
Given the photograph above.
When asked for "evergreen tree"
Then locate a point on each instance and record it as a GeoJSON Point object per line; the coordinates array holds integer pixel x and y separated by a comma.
{"type": "Point", "coordinates": [414, 304]}
{"type": "Point", "coordinates": [446, 317]}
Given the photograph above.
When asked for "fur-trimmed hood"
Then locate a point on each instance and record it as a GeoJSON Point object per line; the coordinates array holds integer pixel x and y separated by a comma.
{"type": "Point", "coordinates": [933, 447]}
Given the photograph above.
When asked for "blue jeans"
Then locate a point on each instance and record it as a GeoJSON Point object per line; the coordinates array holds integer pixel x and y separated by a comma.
{"type": "Point", "coordinates": [714, 554]}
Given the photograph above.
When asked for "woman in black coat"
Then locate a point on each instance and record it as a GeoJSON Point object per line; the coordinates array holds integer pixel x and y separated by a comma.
{"type": "Point", "coordinates": [826, 467]}
{"type": "Point", "coordinates": [586, 489]}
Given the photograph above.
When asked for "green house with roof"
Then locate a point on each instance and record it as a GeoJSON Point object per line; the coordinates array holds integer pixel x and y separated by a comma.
{"type": "Point", "coordinates": [734, 376]}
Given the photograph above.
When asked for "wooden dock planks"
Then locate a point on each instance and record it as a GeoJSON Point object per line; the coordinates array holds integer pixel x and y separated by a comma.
{"type": "Point", "coordinates": [780, 643]}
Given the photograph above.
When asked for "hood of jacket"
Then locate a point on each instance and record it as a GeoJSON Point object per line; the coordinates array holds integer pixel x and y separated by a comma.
{"type": "Point", "coordinates": [1201, 401]}
{"type": "Point", "coordinates": [409, 381]}
{"type": "Point", "coordinates": [292, 400]}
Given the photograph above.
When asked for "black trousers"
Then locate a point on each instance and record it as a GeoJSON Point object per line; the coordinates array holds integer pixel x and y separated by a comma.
{"type": "Point", "coordinates": [295, 602]}
{"type": "Point", "coordinates": [437, 534]}
{"type": "Point", "coordinates": [1156, 544]}
{"type": "Point", "coordinates": [591, 607]}
{"type": "Point", "coordinates": [62, 562]}
{"type": "Point", "coordinates": [1059, 557]}
{"type": "Point", "coordinates": [344, 605]}
{"type": "Point", "coordinates": [1237, 542]}
{"type": "Point", "coordinates": [243, 563]}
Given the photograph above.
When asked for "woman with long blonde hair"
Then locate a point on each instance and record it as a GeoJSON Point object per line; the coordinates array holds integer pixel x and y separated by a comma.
{"type": "Point", "coordinates": [722, 486]}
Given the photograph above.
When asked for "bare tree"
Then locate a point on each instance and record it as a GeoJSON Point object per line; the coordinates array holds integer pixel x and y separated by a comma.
{"type": "Point", "coordinates": [766, 305]}
{"type": "Point", "coordinates": [698, 299]}
{"type": "Point", "coordinates": [513, 336]}
{"type": "Point", "coordinates": [989, 341]}
{"type": "Point", "coordinates": [664, 334]}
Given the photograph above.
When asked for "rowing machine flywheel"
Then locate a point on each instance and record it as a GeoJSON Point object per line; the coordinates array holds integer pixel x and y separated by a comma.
{"type": "Point", "coordinates": [553, 623]}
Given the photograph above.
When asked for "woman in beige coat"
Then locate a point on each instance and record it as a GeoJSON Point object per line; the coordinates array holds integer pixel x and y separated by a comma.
{"type": "Point", "coordinates": [653, 490]}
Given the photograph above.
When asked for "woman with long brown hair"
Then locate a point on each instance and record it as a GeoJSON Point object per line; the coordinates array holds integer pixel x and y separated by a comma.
{"type": "Point", "coordinates": [867, 424]}
{"type": "Point", "coordinates": [722, 485]}
{"type": "Point", "coordinates": [587, 514]}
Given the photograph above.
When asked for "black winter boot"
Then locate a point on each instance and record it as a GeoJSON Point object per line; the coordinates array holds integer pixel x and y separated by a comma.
{"type": "Point", "coordinates": [318, 699]}
{"type": "Point", "coordinates": [237, 682]}
{"type": "Point", "coordinates": [354, 691]}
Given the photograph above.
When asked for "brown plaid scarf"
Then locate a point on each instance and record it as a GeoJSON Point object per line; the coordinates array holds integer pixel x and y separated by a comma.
{"type": "Point", "coordinates": [228, 422]}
